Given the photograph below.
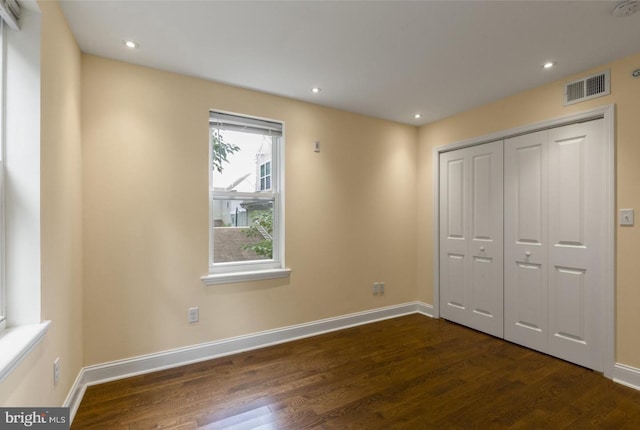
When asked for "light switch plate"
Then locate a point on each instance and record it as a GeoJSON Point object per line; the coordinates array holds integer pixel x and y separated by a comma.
{"type": "Point", "coordinates": [626, 216]}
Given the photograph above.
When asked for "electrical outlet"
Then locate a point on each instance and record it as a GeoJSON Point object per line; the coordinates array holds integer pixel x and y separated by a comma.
{"type": "Point", "coordinates": [194, 315]}
{"type": "Point", "coordinates": [381, 287]}
{"type": "Point", "coordinates": [56, 371]}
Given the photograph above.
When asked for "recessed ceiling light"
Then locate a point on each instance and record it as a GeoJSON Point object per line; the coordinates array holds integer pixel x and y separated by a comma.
{"type": "Point", "coordinates": [417, 116]}
{"type": "Point", "coordinates": [130, 44]}
{"type": "Point", "coordinates": [315, 90]}
{"type": "Point", "coordinates": [548, 64]}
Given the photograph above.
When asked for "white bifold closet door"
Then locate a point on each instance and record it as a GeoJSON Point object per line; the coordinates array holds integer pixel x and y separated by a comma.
{"type": "Point", "coordinates": [471, 237]}
{"type": "Point", "coordinates": [554, 240]}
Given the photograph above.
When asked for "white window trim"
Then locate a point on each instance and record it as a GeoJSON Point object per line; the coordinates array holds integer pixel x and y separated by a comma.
{"type": "Point", "coordinates": [3, 106]}
{"type": "Point", "coordinates": [18, 342]}
{"type": "Point", "coordinates": [23, 327]}
{"type": "Point", "coordinates": [255, 275]}
{"type": "Point", "coordinates": [233, 272]}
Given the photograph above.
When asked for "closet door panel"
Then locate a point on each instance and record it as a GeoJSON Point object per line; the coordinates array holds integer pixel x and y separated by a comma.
{"type": "Point", "coordinates": [483, 192]}
{"type": "Point", "coordinates": [453, 237]}
{"type": "Point", "coordinates": [529, 176]}
{"type": "Point", "coordinates": [576, 237]}
{"type": "Point", "coordinates": [471, 240]}
{"type": "Point", "coordinates": [569, 321]}
{"type": "Point", "coordinates": [456, 281]}
{"type": "Point", "coordinates": [529, 312]}
{"type": "Point", "coordinates": [486, 295]}
{"type": "Point", "coordinates": [525, 205]}
{"type": "Point", "coordinates": [456, 218]}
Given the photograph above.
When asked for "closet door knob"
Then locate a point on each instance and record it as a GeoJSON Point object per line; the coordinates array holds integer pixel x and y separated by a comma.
{"type": "Point", "coordinates": [528, 254]}
{"type": "Point", "coordinates": [482, 249]}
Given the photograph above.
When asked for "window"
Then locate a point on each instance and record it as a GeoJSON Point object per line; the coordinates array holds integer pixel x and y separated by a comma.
{"type": "Point", "coordinates": [22, 327]}
{"type": "Point", "coordinates": [246, 216]}
{"type": "Point", "coordinates": [9, 19]}
{"type": "Point", "coordinates": [265, 176]}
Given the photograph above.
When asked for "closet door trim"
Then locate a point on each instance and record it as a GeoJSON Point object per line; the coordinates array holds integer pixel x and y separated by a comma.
{"type": "Point", "coordinates": [607, 113]}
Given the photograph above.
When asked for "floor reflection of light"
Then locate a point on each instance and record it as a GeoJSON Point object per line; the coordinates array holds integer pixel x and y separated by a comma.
{"type": "Point", "coordinates": [259, 418]}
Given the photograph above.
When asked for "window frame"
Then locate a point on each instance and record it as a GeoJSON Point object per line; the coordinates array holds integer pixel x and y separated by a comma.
{"type": "Point", "coordinates": [3, 84]}
{"type": "Point", "coordinates": [24, 327]}
{"type": "Point", "coordinates": [241, 271]}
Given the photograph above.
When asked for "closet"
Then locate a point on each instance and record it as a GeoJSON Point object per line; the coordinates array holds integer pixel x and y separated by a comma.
{"type": "Point", "coordinates": [522, 231]}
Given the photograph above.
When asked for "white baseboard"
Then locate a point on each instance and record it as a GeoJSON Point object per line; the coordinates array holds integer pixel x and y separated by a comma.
{"type": "Point", "coordinates": [626, 375]}
{"type": "Point", "coordinates": [424, 309]}
{"type": "Point", "coordinates": [76, 393]}
{"type": "Point", "coordinates": [105, 372]}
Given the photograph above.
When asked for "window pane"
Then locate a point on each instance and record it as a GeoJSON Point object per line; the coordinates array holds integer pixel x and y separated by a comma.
{"type": "Point", "coordinates": [242, 230]}
{"type": "Point", "coordinates": [244, 191]}
{"type": "Point", "coordinates": [238, 159]}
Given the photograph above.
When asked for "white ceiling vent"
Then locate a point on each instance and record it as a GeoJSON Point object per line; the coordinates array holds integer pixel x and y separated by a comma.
{"type": "Point", "coordinates": [587, 88]}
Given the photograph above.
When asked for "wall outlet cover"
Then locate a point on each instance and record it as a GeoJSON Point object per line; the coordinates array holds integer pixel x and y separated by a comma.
{"type": "Point", "coordinates": [626, 217]}
{"type": "Point", "coordinates": [194, 315]}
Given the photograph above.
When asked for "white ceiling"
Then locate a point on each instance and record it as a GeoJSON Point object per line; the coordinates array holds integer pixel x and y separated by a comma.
{"type": "Point", "coordinates": [387, 59]}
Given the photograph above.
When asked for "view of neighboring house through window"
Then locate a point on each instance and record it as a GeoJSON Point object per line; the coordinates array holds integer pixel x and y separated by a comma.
{"type": "Point", "coordinates": [245, 193]}
{"type": "Point", "coordinates": [265, 176]}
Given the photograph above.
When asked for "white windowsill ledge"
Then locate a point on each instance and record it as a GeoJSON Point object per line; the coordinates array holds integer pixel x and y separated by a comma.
{"type": "Point", "coordinates": [17, 342]}
{"type": "Point", "coordinates": [229, 278]}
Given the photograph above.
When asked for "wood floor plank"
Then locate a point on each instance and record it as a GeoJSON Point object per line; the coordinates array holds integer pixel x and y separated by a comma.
{"type": "Point", "coordinates": [411, 372]}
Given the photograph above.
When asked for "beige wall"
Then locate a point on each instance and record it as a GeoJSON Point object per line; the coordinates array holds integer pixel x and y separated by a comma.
{"type": "Point", "coordinates": [350, 213]}
{"type": "Point", "coordinates": [31, 384]}
{"type": "Point", "coordinates": [540, 104]}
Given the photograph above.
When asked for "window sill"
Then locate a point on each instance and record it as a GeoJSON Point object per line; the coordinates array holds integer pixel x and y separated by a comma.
{"type": "Point", "coordinates": [257, 275]}
{"type": "Point", "coordinates": [17, 342]}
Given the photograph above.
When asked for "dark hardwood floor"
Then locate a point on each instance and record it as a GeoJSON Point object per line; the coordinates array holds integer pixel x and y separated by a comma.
{"type": "Point", "coordinates": [411, 372]}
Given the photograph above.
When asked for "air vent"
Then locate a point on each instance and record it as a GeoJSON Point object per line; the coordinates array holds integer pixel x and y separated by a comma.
{"type": "Point", "coordinates": [587, 88]}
